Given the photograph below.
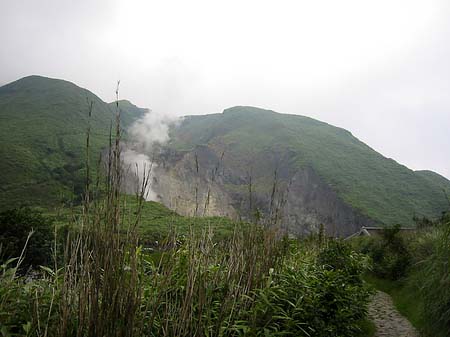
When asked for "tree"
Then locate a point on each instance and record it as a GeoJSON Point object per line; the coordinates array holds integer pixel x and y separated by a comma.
{"type": "Point", "coordinates": [15, 226]}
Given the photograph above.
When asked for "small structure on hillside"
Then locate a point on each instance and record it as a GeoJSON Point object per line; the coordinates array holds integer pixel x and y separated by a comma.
{"type": "Point", "coordinates": [374, 231]}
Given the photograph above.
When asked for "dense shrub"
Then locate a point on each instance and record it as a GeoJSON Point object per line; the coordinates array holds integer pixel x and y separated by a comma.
{"type": "Point", "coordinates": [339, 256]}
{"type": "Point", "coordinates": [389, 253]}
{"type": "Point", "coordinates": [326, 298]}
{"type": "Point", "coordinates": [15, 226]}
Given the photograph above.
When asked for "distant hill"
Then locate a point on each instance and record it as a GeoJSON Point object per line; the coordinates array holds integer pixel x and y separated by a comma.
{"type": "Point", "coordinates": [43, 125]}
{"type": "Point", "coordinates": [333, 178]}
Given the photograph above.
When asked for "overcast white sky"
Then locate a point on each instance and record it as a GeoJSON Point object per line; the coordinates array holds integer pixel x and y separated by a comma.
{"type": "Point", "coordinates": [380, 69]}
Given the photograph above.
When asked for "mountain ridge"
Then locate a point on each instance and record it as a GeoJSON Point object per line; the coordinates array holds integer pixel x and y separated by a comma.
{"type": "Point", "coordinates": [336, 177]}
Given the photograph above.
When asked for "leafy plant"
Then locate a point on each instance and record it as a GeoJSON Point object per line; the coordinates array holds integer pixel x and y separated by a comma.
{"type": "Point", "coordinates": [307, 298]}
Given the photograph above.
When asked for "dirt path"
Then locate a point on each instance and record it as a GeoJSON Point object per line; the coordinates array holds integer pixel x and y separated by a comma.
{"type": "Point", "coordinates": [387, 319]}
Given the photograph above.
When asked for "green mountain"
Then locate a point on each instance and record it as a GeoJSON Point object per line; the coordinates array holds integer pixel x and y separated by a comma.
{"type": "Point", "coordinates": [332, 177]}
{"type": "Point", "coordinates": [43, 125]}
{"type": "Point", "coordinates": [239, 163]}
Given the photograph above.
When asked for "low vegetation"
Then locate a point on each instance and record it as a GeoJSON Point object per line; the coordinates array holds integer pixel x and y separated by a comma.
{"type": "Point", "coordinates": [254, 283]}
{"type": "Point", "coordinates": [156, 221]}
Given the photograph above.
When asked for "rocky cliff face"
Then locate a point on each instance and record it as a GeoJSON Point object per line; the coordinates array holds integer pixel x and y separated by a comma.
{"type": "Point", "coordinates": [311, 202]}
{"type": "Point", "coordinates": [204, 182]}
{"type": "Point", "coordinates": [190, 183]}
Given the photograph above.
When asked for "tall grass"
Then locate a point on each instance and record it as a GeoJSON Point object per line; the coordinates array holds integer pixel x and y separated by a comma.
{"type": "Point", "coordinates": [203, 287]}
{"type": "Point", "coordinates": [100, 288]}
{"type": "Point", "coordinates": [434, 280]}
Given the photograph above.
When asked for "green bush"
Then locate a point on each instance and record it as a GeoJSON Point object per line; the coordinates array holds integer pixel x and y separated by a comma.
{"type": "Point", "coordinates": [339, 256]}
{"type": "Point", "coordinates": [389, 253]}
{"type": "Point", "coordinates": [15, 226]}
{"type": "Point", "coordinates": [326, 298]}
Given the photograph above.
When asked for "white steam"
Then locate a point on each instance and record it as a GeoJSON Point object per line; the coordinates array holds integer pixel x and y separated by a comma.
{"type": "Point", "coordinates": [139, 172]}
{"type": "Point", "coordinates": [152, 128]}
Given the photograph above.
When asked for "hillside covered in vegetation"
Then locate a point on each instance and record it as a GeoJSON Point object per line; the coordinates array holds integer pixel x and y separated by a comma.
{"type": "Point", "coordinates": [43, 125]}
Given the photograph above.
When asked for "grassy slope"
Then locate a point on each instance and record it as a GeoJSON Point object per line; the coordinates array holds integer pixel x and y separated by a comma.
{"type": "Point", "coordinates": [378, 186]}
{"type": "Point", "coordinates": [43, 126]}
{"type": "Point", "coordinates": [157, 221]}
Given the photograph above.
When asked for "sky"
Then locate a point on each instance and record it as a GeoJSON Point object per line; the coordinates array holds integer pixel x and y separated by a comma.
{"type": "Point", "coordinates": [380, 69]}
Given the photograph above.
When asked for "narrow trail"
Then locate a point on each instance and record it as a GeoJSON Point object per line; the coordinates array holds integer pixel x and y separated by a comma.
{"type": "Point", "coordinates": [388, 321]}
